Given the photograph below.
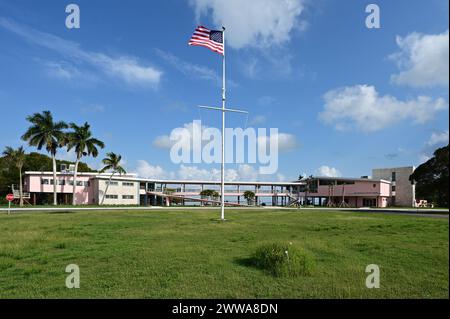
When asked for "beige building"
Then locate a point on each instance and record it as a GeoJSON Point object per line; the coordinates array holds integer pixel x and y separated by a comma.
{"type": "Point", "coordinates": [121, 191]}
{"type": "Point", "coordinates": [402, 189]}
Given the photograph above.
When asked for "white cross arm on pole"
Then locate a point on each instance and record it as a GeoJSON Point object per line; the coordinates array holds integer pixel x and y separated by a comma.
{"type": "Point", "coordinates": [221, 109]}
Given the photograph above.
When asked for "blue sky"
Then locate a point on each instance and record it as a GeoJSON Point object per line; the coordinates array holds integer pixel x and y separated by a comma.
{"type": "Point", "coordinates": [347, 98]}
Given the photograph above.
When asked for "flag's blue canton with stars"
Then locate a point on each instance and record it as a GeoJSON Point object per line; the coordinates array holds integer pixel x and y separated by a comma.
{"type": "Point", "coordinates": [216, 36]}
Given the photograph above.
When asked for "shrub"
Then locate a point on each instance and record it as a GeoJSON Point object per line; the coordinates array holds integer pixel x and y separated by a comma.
{"type": "Point", "coordinates": [281, 259]}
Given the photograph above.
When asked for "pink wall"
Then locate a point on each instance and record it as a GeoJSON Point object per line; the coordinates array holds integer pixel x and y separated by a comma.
{"type": "Point", "coordinates": [83, 194]}
{"type": "Point", "coordinates": [360, 188]}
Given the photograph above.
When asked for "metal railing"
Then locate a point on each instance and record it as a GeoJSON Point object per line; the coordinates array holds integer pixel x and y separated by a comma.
{"type": "Point", "coordinates": [25, 195]}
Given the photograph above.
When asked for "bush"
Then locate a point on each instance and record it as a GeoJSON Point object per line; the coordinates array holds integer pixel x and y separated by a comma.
{"type": "Point", "coordinates": [281, 259]}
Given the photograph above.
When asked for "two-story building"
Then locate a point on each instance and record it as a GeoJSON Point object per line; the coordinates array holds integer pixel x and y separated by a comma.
{"type": "Point", "coordinates": [386, 188]}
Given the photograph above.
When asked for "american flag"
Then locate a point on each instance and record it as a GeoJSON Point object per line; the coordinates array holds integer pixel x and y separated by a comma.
{"type": "Point", "coordinates": [211, 39]}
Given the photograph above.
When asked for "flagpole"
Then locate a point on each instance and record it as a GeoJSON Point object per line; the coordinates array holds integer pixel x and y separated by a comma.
{"type": "Point", "coordinates": [222, 197]}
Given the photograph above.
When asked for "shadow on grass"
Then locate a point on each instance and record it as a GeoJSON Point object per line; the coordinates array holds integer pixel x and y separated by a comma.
{"type": "Point", "coordinates": [249, 262]}
{"type": "Point", "coordinates": [63, 212]}
{"type": "Point", "coordinates": [219, 221]}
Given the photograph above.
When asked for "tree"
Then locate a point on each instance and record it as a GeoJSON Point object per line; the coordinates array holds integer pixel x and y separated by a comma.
{"type": "Point", "coordinates": [16, 157]}
{"type": "Point", "coordinates": [210, 194]}
{"type": "Point", "coordinates": [112, 163]}
{"type": "Point", "coordinates": [80, 139]}
{"type": "Point", "coordinates": [308, 180]}
{"type": "Point", "coordinates": [44, 132]}
{"type": "Point", "coordinates": [431, 178]}
{"type": "Point", "coordinates": [249, 196]}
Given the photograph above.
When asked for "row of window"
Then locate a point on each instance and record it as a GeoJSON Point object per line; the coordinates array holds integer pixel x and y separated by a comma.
{"type": "Point", "coordinates": [49, 181]}
{"type": "Point", "coordinates": [117, 196]}
{"type": "Point", "coordinates": [115, 183]}
{"type": "Point", "coordinates": [46, 181]}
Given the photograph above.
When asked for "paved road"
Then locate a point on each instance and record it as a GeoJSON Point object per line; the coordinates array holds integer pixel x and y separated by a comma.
{"type": "Point", "coordinates": [433, 213]}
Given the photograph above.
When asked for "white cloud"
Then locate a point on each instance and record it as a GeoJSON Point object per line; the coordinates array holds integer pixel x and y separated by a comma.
{"type": "Point", "coordinates": [423, 60]}
{"type": "Point", "coordinates": [262, 24]}
{"type": "Point", "coordinates": [438, 138]}
{"type": "Point", "coordinates": [243, 172]}
{"type": "Point", "coordinates": [126, 68]}
{"type": "Point", "coordinates": [250, 68]}
{"type": "Point", "coordinates": [167, 141]}
{"type": "Point", "coordinates": [328, 171]}
{"type": "Point", "coordinates": [163, 142]}
{"type": "Point", "coordinates": [423, 158]}
{"type": "Point", "coordinates": [146, 170]}
{"type": "Point", "coordinates": [286, 142]}
{"type": "Point", "coordinates": [362, 107]}
{"type": "Point", "coordinates": [258, 120]}
{"type": "Point", "coordinates": [190, 69]}
{"type": "Point", "coordinates": [61, 70]}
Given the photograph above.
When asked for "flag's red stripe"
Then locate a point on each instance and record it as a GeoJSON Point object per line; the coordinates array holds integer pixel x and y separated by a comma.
{"type": "Point", "coordinates": [206, 45]}
{"type": "Point", "coordinates": [214, 43]}
{"type": "Point", "coordinates": [218, 47]}
{"type": "Point", "coordinates": [203, 45]}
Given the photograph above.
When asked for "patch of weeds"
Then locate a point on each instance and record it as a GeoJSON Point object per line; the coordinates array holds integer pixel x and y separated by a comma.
{"type": "Point", "coordinates": [280, 259]}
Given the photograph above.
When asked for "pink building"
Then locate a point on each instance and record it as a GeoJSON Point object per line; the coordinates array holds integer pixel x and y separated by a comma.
{"type": "Point", "coordinates": [131, 190]}
{"type": "Point", "coordinates": [351, 192]}
{"type": "Point", "coordinates": [40, 183]}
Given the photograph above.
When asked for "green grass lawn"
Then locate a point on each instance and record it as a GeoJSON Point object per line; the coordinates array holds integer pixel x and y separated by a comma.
{"type": "Point", "coordinates": [189, 254]}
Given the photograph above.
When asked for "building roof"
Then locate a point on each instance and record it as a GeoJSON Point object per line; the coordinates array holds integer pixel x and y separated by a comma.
{"type": "Point", "coordinates": [350, 179]}
{"type": "Point", "coordinates": [93, 174]}
{"type": "Point", "coordinates": [199, 182]}
{"type": "Point", "coordinates": [134, 177]}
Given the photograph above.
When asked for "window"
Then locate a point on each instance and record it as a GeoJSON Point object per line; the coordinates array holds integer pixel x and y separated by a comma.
{"type": "Point", "coordinates": [111, 196]}
{"type": "Point", "coordinates": [87, 183]}
{"type": "Point", "coordinates": [374, 185]}
{"type": "Point", "coordinates": [60, 182]}
{"type": "Point", "coordinates": [44, 181]}
{"type": "Point", "coordinates": [79, 183]}
{"type": "Point", "coordinates": [127, 184]}
{"type": "Point", "coordinates": [127, 197]}
{"type": "Point", "coordinates": [393, 176]}
{"type": "Point", "coordinates": [112, 183]}
{"type": "Point", "coordinates": [393, 188]}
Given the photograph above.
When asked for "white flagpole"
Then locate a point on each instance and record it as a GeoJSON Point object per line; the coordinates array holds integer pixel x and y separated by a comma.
{"type": "Point", "coordinates": [222, 196]}
{"type": "Point", "coordinates": [223, 109]}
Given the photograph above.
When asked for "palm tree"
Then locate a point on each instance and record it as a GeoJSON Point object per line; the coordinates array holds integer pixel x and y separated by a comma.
{"type": "Point", "coordinates": [249, 196]}
{"type": "Point", "coordinates": [308, 188]}
{"type": "Point", "coordinates": [16, 157]}
{"type": "Point", "coordinates": [80, 139]}
{"type": "Point", "coordinates": [44, 132]}
{"type": "Point", "coordinates": [112, 163]}
{"type": "Point", "coordinates": [209, 194]}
